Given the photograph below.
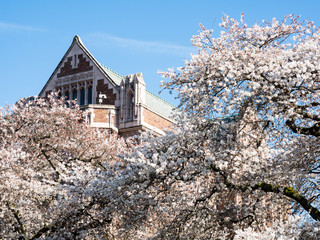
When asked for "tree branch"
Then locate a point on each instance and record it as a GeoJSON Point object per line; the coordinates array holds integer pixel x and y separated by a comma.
{"type": "Point", "coordinates": [313, 131]}
{"type": "Point", "coordinates": [287, 191]}
{"type": "Point", "coordinates": [292, 194]}
{"type": "Point", "coordinates": [18, 218]}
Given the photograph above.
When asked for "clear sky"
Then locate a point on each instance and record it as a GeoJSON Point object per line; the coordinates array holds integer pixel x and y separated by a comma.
{"type": "Point", "coordinates": [127, 36]}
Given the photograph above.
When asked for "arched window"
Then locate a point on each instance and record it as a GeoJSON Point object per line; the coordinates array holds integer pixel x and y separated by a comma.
{"type": "Point", "coordinates": [90, 95]}
{"type": "Point", "coordinates": [82, 96]}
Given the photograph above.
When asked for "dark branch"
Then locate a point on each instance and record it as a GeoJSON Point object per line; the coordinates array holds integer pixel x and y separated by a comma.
{"type": "Point", "coordinates": [292, 194]}
{"type": "Point", "coordinates": [287, 191]}
{"type": "Point", "coordinates": [18, 218]}
{"type": "Point", "coordinates": [313, 131]}
{"type": "Point", "coordinates": [40, 232]}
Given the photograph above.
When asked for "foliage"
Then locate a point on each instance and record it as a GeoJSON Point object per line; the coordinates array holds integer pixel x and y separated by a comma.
{"type": "Point", "coordinates": [294, 228]}
{"type": "Point", "coordinates": [48, 155]}
{"type": "Point", "coordinates": [267, 77]}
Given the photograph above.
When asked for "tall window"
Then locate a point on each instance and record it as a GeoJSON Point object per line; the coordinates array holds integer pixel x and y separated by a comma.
{"type": "Point", "coordinates": [82, 96]}
{"type": "Point", "coordinates": [130, 106]}
{"type": "Point", "coordinates": [66, 94]}
{"type": "Point", "coordinates": [66, 97]}
{"type": "Point", "coordinates": [90, 95]}
{"type": "Point", "coordinates": [74, 94]}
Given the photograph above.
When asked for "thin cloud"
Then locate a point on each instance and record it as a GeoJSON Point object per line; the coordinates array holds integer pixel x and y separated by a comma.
{"type": "Point", "coordinates": [9, 26]}
{"type": "Point", "coordinates": [140, 45]}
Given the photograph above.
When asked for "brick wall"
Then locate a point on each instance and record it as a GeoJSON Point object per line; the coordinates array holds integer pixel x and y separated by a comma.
{"type": "Point", "coordinates": [101, 115]}
{"type": "Point", "coordinates": [156, 120]}
{"type": "Point", "coordinates": [103, 88]}
{"type": "Point", "coordinates": [82, 66]}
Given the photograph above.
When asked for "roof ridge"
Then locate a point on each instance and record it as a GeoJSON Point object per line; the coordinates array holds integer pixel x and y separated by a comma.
{"type": "Point", "coordinates": [111, 70]}
{"type": "Point", "coordinates": [160, 99]}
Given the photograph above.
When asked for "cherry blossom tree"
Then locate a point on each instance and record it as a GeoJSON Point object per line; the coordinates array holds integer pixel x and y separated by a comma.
{"type": "Point", "coordinates": [246, 145]}
{"type": "Point", "coordinates": [48, 155]}
{"type": "Point", "coordinates": [242, 158]}
{"type": "Point", "coordinates": [265, 77]}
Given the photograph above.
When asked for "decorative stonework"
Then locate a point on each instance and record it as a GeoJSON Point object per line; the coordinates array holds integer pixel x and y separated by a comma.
{"type": "Point", "coordinates": [74, 78]}
{"type": "Point", "coordinates": [81, 65]}
{"type": "Point", "coordinates": [125, 110]}
{"type": "Point", "coordinates": [103, 88]}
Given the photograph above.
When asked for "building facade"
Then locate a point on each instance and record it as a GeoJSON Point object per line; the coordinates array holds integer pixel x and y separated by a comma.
{"type": "Point", "coordinates": [119, 103]}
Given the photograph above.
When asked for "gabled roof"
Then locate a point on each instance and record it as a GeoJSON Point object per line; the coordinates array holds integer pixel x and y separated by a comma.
{"type": "Point", "coordinates": [116, 77]}
{"type": "Point", "coordinates": [159, 105]}
{"type": "Point", "coordinates": [111, 75]}
{"type": "Point", "coordinates": [153, 102]}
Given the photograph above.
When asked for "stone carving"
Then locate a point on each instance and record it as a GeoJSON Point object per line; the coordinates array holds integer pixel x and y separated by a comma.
{"type": "Point", "coordinates": [75, 77]}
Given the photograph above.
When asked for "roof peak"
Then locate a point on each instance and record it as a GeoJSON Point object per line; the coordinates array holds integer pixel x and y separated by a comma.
{"type": "Point", "coordinates": [77, 39]}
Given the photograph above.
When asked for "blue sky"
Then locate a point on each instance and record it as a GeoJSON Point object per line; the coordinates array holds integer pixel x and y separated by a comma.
{"type": "Point", "coordinates": [127, 36]}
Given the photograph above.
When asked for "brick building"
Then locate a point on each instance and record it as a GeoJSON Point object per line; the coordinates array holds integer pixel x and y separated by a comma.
{"type": "Point", "coordinates": [119, 103]}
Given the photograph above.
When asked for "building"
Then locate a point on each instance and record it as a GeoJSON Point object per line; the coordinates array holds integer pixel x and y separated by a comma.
{"type": "Point", "coordinates": [119, 103]}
